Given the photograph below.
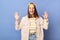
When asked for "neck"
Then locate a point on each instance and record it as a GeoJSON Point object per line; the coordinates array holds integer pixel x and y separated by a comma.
{"type": "Point", "coordinates": [32, 16]}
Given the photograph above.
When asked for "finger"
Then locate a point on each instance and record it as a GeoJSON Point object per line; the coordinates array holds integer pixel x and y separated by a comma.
{"type": "Point", "coordinates": [45, 13]}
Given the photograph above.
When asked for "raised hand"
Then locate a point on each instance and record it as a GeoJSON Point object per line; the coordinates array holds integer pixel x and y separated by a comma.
{"type": "Point", "coordinates": [45, 15]}
{"type": "Point", "coordinates": [16, 16]}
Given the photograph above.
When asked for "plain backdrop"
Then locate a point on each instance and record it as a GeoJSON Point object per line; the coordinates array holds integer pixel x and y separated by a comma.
{"type": "Point", "coordinates": [7, 21]}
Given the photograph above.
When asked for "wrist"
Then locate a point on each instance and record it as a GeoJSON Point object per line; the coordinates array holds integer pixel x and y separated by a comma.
{"type": "Point", "coordinates": [45, 19]}
{"type": "Point", "coordinates": [16, 20]}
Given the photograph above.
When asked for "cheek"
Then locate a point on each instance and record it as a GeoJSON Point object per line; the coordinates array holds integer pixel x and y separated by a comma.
{"type": "Point", "coordinates": [31, 10]}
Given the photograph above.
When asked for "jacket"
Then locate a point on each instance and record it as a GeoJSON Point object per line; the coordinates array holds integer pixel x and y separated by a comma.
{"type": "Point", "coordinates": [24, 27]}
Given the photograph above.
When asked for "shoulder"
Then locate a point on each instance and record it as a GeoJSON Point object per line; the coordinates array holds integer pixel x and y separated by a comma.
{"type": "Point", "coordinates": [40, 18]}
{"type": "Point", "coordinates": [24, 17]}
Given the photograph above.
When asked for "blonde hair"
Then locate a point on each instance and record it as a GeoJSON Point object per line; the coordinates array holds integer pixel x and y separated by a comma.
{"type": "Point", "coordinates": [35, 12]}
{"type": "Point", "coordinates": [31, 3]}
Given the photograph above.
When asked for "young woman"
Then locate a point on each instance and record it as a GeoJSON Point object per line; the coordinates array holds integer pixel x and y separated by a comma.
{"type": "Point", "coordinates": [32, 25]}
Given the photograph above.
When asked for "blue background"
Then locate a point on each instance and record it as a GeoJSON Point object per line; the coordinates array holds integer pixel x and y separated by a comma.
{"type": "Point", "coordinates": [7, 21]}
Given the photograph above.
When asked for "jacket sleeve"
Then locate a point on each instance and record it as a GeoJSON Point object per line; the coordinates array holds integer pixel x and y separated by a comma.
{"type": "Point", "coordinates": [43, 23]}
{"type": "Point", "coordinates": [18, 26]}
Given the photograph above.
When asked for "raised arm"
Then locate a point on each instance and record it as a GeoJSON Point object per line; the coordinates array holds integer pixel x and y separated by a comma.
{"type": "Point", "coordinates": [18, 25]}
{"type": "Point", "coordinates": [44, 21]}
{"type": "Point", "coordinates": [16, 21]}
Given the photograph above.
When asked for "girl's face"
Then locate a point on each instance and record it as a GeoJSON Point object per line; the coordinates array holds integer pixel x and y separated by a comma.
{"type": "Point", "coordinates": [31, 9]}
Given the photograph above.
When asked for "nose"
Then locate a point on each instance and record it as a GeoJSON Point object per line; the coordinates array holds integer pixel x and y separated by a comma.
{"type": "Point", "coordinates": [31, 10]}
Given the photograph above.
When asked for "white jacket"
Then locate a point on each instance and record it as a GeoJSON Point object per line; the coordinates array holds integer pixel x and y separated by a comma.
{"type": "Point", "coordinates": [24, 27]}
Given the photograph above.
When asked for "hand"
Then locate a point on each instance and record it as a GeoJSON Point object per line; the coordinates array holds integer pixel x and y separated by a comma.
{"type": "Point", "coordinates": [16, 16]}
{"type": "Point", "coordinates": [45, 15]}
